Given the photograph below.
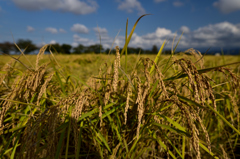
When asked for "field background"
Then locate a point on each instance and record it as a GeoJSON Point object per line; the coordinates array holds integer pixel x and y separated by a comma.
{"type": "Point", "coordinates": [87, 65]}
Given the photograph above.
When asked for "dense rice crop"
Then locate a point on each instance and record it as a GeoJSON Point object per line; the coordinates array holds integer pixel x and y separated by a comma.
{"type": "Point", "coordinates": [178, 109]}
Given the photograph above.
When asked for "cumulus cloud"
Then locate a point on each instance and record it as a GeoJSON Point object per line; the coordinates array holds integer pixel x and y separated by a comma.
{"type": "Point", "coordinates": [79, 28]}
{"type": "Point", "coordinates": [150, 39]}
{"type": "Point", "coordinates": [51, 30]}
{"type": "Point", "coordinates": [106, 40]}
{"type": "Point", "coordinates": [159, 33]}
{"type": "Point", "coordinates": [184, 29]}
{"type": "Point", "coordinates": [62, 30]}
{"type": "Point", "coordinates": [158, 1]}
{"type": "Point", "coordinates": [223, 34]}
{"type": "Point", "coordinates": [30, 29]}
{"type": "Point", "coordinates": [100, 30]}
{"type": "Point", "coordinates": [177, 4]}
{"type": "Point", "coordinates": [131, 5]}
{"type": "Point", "coordinates": [53, 42]}
{"type": "Point", "coordinates": [227, 6]}
{"type": "Point", "coordinates": [75, 44]}
{"type": "Point", "coordinates": [41, 44]}
{"type": "Point", "coordinates": [73, 6]}
{"type": "Point", "coordinates": [84, 41]}
{"type": "Point", "coordinates": [218, 35]}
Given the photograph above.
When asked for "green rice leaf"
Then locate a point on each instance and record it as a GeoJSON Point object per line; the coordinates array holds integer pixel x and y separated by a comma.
{"type": "Point", "coordinates": [157, 57]}
{"type": "Point", "coordinates": [130, 35]}
{"type": "Point", "coordinates": [60, 143]}
{"type": "Point", "coordinates": [172, 129]}
{"type": "Point", "coordinates": [99, 135]}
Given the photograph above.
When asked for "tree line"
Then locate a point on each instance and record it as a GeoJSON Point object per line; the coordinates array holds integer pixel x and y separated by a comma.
{"type": "Point", "coordinates": [29, 47]}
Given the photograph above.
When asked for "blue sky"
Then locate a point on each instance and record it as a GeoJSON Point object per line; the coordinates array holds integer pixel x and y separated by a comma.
{"type": "Point", "coordinates": [206, 23]}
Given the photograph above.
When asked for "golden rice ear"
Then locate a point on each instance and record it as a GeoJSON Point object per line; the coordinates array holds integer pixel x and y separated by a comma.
{"type": "Point", "coordinates": [44, 87]}
{"type": "Point", "coordinates": [140, 107]}
{"type": "Point", "coordinates": [40, 54]}
{"type": "Point", "coordinates": [129, 93]}
{"type": "Point", "coordinates": [197, 55]}
{"type": "Point", "coordinates": [6, 68]}
{"type": "Point", "coordinates": [116, 66]}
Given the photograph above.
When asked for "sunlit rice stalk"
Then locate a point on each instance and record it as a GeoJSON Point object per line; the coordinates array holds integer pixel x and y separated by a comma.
{"type": "Point", "coordinates": [157, 57]}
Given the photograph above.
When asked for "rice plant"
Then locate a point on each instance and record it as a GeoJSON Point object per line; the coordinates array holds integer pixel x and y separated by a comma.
{"type": "Point", "coordinates": [177, 110]}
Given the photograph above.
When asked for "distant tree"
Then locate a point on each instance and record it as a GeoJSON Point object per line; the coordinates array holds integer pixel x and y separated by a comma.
{"type": "Point", "coordinates": [95, 48]}
{"type": "Point", "coordinates": [138, 49]}
{"type": "Point", "coordinates": [131, 50]}
{"type": "Point", "coordinates": [167, 52]}
{"type": "Point", "coordinates": [79, 49]}
{"type": "Point", "coordinates": [154, 49]}
{"type": "Point", "coordinates": [6, 47]}
{"type": "Point", "coordinates": [107, 50]}
{"type": "Point", "coordinates": [26, 44]}
{"type": "Point", "coordinates": [148, 52]}
{"type": "Point", "coordinates": [56, 48]}
{"type": "Point", "coordinates": [66, 48]}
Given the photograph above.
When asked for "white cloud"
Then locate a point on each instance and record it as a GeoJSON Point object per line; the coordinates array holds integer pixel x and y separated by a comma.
{"type": "Point", "coordinates": [178, 4]}
{"type": "Point", "coordinates": [218, 35]}
{"type": "Point", "coordinates": [184, 29]}
{"type": "Point", "coordinates": [223, 34]}
{"type": "Point", "coordinates": [53, 42]}
{"type": "Point", "coordinates": [30, 29]}
{"type": "Point", "coordinates": [159, 33]}
{"type": "Point", "coordinates": [51, 30]}
{"type": "Point", "coordinates": [39, 45]}
{"type": "Point", "coordinates": [150, 39]}
{"type": "Point", "coordinates": [158, 1]}
{"type": "Point", "coordinates": [84, 41]}
{"type": "Point", "coordinates": [131, 5]}
{"type": "Point", "coordinates": [73, 6]}
{"type": "Point", "coordinates": [62, 30]}
{"type": "Point", "coordinates": [74, 44]}
{"type": "Point", "coordinates": [100, 30]}
{"type": "Point", "coordinates": [79, 28]}
{"type": "Point", "coordinates": [162, 32]}
{"type": "Point", "coordinates": [227, 6]}
{"type": "Point", "coordinates": [106, 40]}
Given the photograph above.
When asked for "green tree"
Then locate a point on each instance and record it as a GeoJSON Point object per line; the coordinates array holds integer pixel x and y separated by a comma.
{"type": "Point", "coordinates": [95, 48]}
{"type": "Point", "coordinates": [56, 48]}
{"type": "Point", "coordinates": [66, 48]}
{"type": "Point", "coordinates": [6, 47]}
{"type": "Point", "coordinates": [154, 49]}
{"type": "Point", "coordinates": [107, 50]}
{"type": "Point", "coordinates": [139, 49]}
{"type": "Point", "coordinates": [131, 50]}
{"type": "Point", "coordinates": [168, 52]}
{"type": "Point", "coordinates": [79, 49]}
{"type": "Point", "coordinates": [26, 44]}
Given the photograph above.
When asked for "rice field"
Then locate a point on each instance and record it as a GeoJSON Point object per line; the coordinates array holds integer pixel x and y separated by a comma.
{"type": "Point", "coordinates": [86, 65]}
{"type": "Point", "coordinates": [119, 106]}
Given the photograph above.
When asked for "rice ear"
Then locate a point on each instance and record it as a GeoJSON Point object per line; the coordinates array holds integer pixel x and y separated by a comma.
{"type": "Point", "coordinates": [40, 55]}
